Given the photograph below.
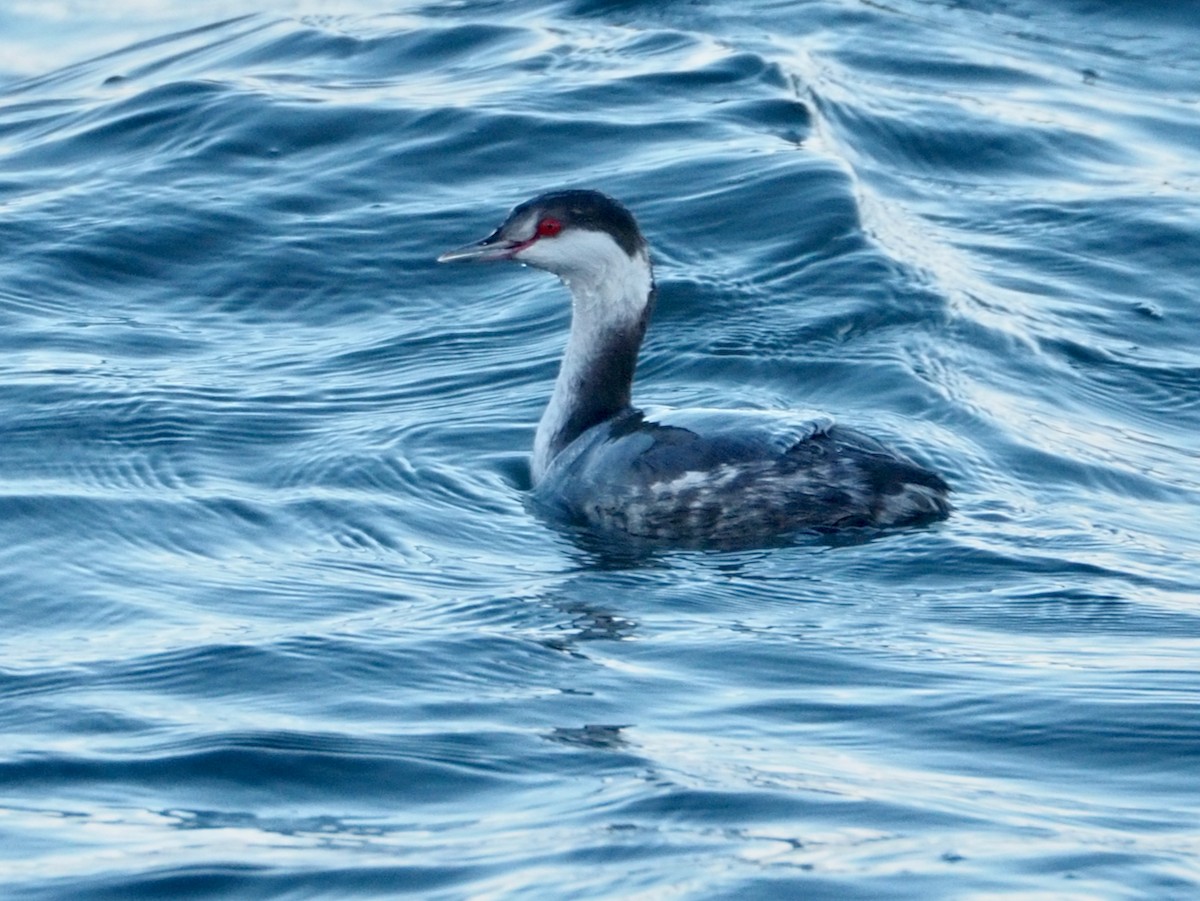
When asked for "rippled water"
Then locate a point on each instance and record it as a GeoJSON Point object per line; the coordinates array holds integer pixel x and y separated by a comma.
{"type": "Point", "coordinates": [276, 620]}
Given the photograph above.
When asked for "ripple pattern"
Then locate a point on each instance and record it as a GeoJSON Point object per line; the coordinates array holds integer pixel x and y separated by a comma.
{"type": "Point", "coordinates": [277, 622]}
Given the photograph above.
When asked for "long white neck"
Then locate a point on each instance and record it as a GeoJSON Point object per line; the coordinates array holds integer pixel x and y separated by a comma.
{"type": "Point", "coordinates": [611, 297]}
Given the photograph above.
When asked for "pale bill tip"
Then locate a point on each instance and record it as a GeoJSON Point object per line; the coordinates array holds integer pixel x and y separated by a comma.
{"type": "Point", "coordinates": [457, 253]}
{"type": "Point", "coordinates": [478, 251]}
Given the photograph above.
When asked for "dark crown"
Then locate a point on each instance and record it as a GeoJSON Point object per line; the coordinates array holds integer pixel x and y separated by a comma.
{"type": "Point", "coordinates": [590, 210]}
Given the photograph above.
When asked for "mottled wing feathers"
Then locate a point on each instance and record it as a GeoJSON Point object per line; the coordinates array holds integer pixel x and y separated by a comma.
{"type": "Point", "coordinates": [733, 476]}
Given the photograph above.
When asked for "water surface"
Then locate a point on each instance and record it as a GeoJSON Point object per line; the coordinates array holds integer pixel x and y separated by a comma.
{"type": "Point", "coordinates": [277, 621]}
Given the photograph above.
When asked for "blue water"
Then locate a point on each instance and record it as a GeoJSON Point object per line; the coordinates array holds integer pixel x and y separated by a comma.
{"type": "Point", "coordinates": [276, 622]}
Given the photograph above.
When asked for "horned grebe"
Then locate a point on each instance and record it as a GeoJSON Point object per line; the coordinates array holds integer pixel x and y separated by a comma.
{"type": "Point", "coordinates": [677, 476]}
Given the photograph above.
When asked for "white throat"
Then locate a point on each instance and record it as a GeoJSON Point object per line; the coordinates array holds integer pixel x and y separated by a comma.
{"type": "Point", "coordinates": [611, 293]}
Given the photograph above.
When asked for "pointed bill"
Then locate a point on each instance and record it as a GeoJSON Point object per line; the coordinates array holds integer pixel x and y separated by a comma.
{"type": "Point", "coordinates": [493, 247]}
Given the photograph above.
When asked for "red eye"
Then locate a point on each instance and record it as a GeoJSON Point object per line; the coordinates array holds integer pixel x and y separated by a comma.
{"type": "Point", "coordinates": [548, 227]}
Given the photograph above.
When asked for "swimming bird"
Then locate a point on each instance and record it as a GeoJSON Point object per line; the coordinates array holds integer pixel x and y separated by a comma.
{"type": "Point", "coordinates": [677, 476]}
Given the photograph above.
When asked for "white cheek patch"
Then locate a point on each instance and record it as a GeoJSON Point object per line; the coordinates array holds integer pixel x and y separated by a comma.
{"type": "Point", "coordinates": [607, 286]}
{"type": "Point", "coordinates": [579, 254]}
